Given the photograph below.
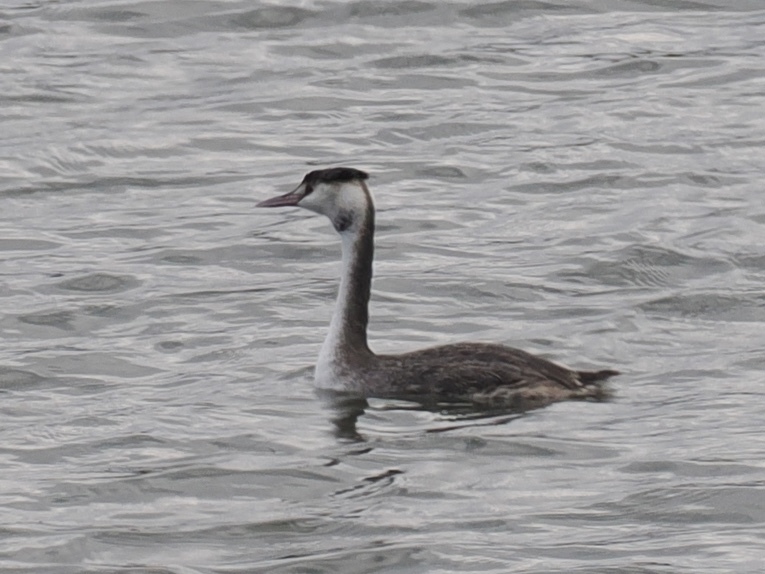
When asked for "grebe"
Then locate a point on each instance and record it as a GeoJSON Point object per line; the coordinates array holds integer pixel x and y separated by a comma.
{"type": "Point", "coordinates": [480, 373]}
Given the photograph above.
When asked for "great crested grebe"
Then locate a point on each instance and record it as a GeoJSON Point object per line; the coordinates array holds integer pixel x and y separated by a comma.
{"type": "Point", "coordinates": [481, 373]}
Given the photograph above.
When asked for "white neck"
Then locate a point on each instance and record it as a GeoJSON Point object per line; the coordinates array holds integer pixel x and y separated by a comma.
{"type": "Point", "coordinates": [331, 352]}
{"type": "Point", "coordinates": [345, 346]}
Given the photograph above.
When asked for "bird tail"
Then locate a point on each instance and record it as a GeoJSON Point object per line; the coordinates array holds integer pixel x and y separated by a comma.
{"type": "Point", "coordinates": [594, 377]}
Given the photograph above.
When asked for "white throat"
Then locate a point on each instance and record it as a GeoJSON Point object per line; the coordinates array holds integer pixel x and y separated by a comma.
{"type": "Point", "coordinates": [331, 370]}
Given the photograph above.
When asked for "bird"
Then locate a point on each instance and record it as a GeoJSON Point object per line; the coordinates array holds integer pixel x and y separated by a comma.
{"type": "Point", "coordinates": [482, 374]}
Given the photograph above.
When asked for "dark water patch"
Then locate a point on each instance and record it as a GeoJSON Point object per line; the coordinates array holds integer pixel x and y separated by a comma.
{"type": "Point", "coordinates": [117, 15]}
{"type": "Point", "coordinates": [654, 148]}
{"type": "Point", "coordinates": [599, 181]}
{"type": "Point", "coordinates": [416, 61]}
{"type": "Point", "coordinates": [28, 244]}
{"type": "Point", "coordinates": [101, 483]}
{"type": "Point", "coordinates": [698, 469]}
{"type": "Point", "coordinates": [442, 172]}
{"type": "Point", "coordinates": [498, 13]}
{"type": "Point", "coordinates": [626, 569]}
{"type": "Point", "coordinates": [446, 131]}
{"type": "Point", "coordinates": [756, 363]}
{"type": "Point", "coordinates": [170, 346]}
{"type": "Point", "coordinates": [11, 378]}
{"type": "Point", "coordinates": [597, 165]}
{"type": "Point", "coordinates": [271, 17]}
{"type": "Point", "coordinates": [689, 504]}
{"type": "Point", "coordinates": [651, 265]}
{"type": "Point", "coordinates": [79, 12]}
{"type": "Point", "coordinates": [179, 258]}
{"type": "Point", "coordinates": [626, 69]}
{"type": "Point", "coordinates": [720, 79]}
{"type": "Point", "coordinates": [710, 306]}
{"type": "Point", "coordinates": [47, 97]}
{"type": "Point", "coordinates": [366, 559]}
{"type": "Point", "coordinates": [711, 180]}
{"type": "Point", "coordinates": [99, 283]}
{"type": "Point", "coordinates": [375, 9]}
{"type": "Point", "coordinates": [121, 183]}
{"type": "Point", "coordinates": [330, 51]}
{"type": "Point", "coordinates": [65, 360]}
{"type": "Point", "coordinates": [143, 232]}
{"type": "Point", "coordinates": [753, 262]}
{"type": "Point", "coordinates": [56, 319]}
{"type": "Point", "coordinates": [313, 104]}
{"type": "Point", "coordinates": [113, 184]}
{"type": "Point", "coordinates": [680, 5]}
{"type": "Point", "coordinates": [422, 82]}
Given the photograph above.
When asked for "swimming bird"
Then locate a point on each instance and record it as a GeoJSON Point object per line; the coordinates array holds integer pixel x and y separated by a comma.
{"type": "Point", "coordinates": [479, 373]}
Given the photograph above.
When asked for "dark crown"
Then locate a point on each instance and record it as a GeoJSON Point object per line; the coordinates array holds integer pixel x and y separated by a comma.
{"type": "Point", "coordinates": [334, 175]}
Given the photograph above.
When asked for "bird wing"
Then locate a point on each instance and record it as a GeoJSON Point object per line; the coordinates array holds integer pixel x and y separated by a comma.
{"type": "Point", "coordinates": [467, 369]}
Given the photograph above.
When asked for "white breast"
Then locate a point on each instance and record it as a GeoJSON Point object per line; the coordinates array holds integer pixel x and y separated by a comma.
{"type": "Point", "coordinates": [330, 376]}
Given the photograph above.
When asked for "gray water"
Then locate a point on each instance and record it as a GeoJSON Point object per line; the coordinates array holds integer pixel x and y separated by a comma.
{"type": "Point", "coordinates": [582, 179]}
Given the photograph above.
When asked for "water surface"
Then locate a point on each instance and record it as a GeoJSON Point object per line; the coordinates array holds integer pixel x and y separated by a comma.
{"type": "Point", "coordinates": [579, 179]}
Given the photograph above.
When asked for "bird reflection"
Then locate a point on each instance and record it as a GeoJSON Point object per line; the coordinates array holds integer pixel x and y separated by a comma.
{"type": "Point", "coordinates": [346, 409]}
